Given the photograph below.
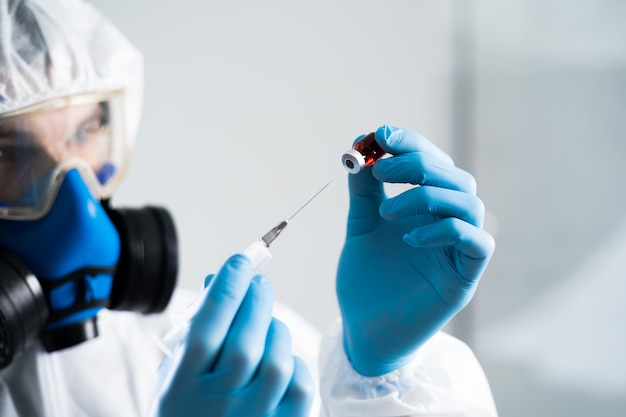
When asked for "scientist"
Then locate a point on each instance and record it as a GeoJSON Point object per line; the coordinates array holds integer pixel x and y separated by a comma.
{"type": "Point", "coordinates": [75, 271]}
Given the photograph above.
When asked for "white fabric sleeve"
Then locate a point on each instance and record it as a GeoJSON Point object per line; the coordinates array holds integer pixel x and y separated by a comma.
{"type": "Point", "coordinates": [443, 379]}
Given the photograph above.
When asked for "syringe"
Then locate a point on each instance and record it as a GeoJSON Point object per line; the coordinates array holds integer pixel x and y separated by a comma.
{"type": "Point", "coordinates": [258, 252]}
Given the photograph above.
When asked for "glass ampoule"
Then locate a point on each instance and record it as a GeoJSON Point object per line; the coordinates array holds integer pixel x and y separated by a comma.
{"type": "Point", "coordinates": [363, 154]}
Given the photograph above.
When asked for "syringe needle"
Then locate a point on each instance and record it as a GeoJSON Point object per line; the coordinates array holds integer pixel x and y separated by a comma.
{"type": "Point", "coordinates": [310, 199]}
{"type": "Point", "coordinates": [273, 233]}
{"type": "Point", "coordinates": [269, 237]}
{"type": "Point", "coordinates": [258, 253]}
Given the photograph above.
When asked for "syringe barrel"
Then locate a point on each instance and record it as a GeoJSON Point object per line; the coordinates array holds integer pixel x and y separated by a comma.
{"type": "Point", "coordinates": [259, 253]}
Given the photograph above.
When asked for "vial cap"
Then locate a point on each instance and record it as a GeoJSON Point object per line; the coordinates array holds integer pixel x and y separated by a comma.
{"type": "Point", "coordinates": [353, 161]}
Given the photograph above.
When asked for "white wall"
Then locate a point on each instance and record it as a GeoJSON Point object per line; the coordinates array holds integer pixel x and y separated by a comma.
{"type": "Point", "coordinates": [248, 108]}
{"type": "Point", "coordinates": [550, 110]}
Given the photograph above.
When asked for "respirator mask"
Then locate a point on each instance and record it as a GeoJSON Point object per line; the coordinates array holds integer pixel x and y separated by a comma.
{"type": "Point", "coordinates": [65, 253]}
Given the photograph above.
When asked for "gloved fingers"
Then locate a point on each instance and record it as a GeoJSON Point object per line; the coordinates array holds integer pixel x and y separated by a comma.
{"type": "Point", "coordinates": [299, 395]}
{"type": "Point", "coordinates": [397, 141]}
{"type": "Point", "coordinates": [245, 342]}
{"type": "Point", "coordinates": [210, 325]}
{"type": "Point", "coordinates": [276, 368]}
{"type": "Point", "coordinates": [421, 168]}
{"type": "Point", "coordinates": [474, 243]}
{"type": "Point", "coordinates": [439, 202]}
{"type": "Point", "coordinates": [367, 192]}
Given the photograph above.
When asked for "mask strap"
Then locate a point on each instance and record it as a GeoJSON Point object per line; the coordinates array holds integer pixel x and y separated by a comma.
{"type": "Point", "coordinates": [82, 290]}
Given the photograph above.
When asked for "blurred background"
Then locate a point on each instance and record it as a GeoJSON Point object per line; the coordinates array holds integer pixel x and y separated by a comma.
{"type": "Point", "coordinates": [249, 106]}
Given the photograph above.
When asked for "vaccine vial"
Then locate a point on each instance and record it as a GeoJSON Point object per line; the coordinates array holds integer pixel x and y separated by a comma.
{"type": "Point", "coordinates": [363, 154]}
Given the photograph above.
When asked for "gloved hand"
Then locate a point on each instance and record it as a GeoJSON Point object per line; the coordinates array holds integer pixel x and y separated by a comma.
{"type": "Point", "coordinates": [410, 262]}
{"type": "Point", "coordinates": [237, 359]}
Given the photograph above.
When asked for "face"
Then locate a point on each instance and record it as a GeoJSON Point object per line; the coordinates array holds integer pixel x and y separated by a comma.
{"type": "Point", "coordinates": [32, 146]}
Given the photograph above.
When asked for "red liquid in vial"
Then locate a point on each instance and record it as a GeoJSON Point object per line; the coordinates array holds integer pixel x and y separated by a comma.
{"type": "Point", "coordinates": [370, 150]}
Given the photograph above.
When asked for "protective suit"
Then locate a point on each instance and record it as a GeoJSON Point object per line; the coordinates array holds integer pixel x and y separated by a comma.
{"type": "Point", "coordinates": [115, 374]}
{"type": "Point", "coordinates": [52, 51]}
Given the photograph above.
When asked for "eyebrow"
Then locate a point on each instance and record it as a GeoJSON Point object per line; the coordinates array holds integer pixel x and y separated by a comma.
{"type": "Point", "coordinates": [95, 114]}
{"type": "Point", "coordinates": [6, 131]}
{"type": "Point", "coordinates": [11, 133]}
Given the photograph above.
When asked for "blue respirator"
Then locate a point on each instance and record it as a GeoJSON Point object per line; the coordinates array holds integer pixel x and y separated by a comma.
{"type": "Point", "coordinates": [58, 271]}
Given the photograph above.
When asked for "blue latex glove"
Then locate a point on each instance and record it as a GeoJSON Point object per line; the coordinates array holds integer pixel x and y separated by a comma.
{"type": "Point", "coordinates": [411, 262]}
{"type": "Point", "coordinates": [237, 359]}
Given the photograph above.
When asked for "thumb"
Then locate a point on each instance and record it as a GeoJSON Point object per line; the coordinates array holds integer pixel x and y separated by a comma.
{"type": "Point", "coordinates": [366, 195]}
{"type": "Point", "coordinates": [208, 279]}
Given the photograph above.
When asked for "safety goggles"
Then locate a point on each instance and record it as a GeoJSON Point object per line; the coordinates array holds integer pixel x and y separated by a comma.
{"type": "Point", "coordinates": [41, 143]}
